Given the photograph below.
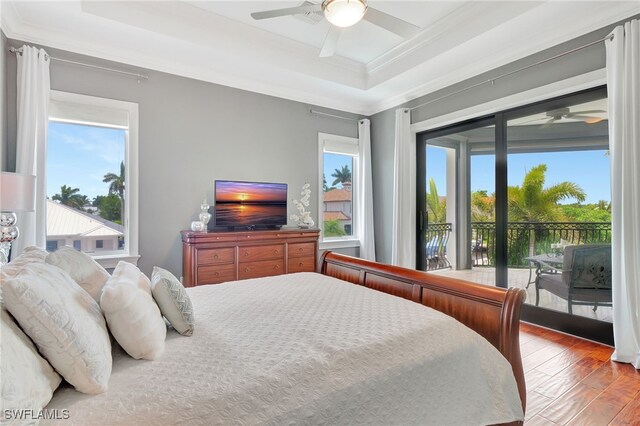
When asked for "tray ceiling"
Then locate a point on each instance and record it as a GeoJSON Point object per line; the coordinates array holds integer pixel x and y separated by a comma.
{"type": "Point", "coordinates": [372, 70]}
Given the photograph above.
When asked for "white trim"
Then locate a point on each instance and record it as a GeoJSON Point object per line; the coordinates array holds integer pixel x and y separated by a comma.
{"type": "Point", "coordinates": [330, 244]}
{"type": "Point", "coordinates": [559, 88]}
{"type": "Point", "coordinates": [131, 161]}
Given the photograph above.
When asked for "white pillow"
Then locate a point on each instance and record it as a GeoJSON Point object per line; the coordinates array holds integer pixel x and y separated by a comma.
{"type": "Point", "coordinates": [173, 300]}
{"type": "Point", "coordinates": [28, 381]}
{"type": "Point", "coordinates": [64, 322]}
{"type": "Point", "coordinates": [133, 316]}
{"type": "Point", "coordinates": [29, 255]}
{"type": "Point", "coordinates": [82, 268]}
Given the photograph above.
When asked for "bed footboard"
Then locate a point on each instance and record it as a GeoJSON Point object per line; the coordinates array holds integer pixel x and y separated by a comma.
{"type": "Point", "coordinates": [492, 312]}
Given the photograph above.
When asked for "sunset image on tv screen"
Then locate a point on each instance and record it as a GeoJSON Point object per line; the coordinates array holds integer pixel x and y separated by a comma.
{"type": "Point", "coordinates": [250, 203]}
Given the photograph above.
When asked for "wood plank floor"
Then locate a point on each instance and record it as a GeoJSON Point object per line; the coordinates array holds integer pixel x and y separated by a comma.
{"type": "Point", "coordinates": [571, 381]}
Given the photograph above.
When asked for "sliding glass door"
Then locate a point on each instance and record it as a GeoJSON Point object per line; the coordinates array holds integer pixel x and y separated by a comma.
{"type": "Point", "coordinates": [522, 199]}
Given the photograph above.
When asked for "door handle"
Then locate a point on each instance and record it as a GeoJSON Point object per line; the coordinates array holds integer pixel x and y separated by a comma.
{"type": "Point", "coordinates": [421, 220]}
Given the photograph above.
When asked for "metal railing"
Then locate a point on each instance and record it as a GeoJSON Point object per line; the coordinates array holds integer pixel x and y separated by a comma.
{"type": "Point", "coordinates": [437, 237]}
{"type": "Point", "coordinates": [532, 238]}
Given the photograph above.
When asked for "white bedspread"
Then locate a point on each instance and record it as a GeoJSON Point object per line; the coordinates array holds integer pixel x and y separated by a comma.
{"type": "Point", "coordinates": [307, 349]}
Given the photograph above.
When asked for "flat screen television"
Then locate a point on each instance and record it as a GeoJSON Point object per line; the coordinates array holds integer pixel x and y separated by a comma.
{"type": "Point", "coordinates": [250, 204]}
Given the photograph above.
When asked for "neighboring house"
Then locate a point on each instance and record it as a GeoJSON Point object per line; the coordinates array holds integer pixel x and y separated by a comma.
{"type": "Point", "coordinates": [81, 230]}
{"type": "Point", "coordinates": [338, 206]}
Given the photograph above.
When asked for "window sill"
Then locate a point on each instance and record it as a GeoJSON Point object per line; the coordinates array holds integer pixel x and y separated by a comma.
{"type": "Point", "coordinates": [111, 261]}
{"type": "Point", "coordinates": [338, 244]}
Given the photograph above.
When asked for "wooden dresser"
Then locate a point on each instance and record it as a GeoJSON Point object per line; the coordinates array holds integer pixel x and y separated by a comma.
{"type": "Point", "coordinates": [216, 257]}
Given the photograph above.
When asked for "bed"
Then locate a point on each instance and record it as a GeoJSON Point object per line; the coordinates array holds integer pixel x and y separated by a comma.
{"type": "Point", "coordinates": [311, 348]}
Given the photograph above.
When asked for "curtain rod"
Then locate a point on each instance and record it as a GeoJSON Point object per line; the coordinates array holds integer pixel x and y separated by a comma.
{"type": "Point", "coordinates": [138, 76]}
{"type": "Point", "coordinates": [493, 80]}
{"type": "Point", "coordinates": [313, 111]}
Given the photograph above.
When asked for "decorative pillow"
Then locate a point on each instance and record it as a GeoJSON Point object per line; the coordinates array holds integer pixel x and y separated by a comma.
{"type": "Point", "coordinates": [173, 300]}
{"type": "Point", "coordinates": [133, 316]}
{"type": "Point", "coordinates": [28, 381]}
{"type": "Point", "coordinates": [82, 268]}
{"type": "Point", "coordinates": [64, 322]}
{"type": "Point", "coordinates": [29, 255]}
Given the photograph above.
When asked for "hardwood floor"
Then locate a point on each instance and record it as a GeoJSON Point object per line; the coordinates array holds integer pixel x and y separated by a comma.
{"type": "Point", "coordinates": [571, 381]}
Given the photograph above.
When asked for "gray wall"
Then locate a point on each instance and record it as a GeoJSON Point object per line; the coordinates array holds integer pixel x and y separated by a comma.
{"type": "Point", "coordinates": [383, 123]}
{"type": "Point", "coordinates": [191, 133]}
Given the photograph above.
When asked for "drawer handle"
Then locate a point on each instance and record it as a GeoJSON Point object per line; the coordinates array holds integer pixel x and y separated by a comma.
{"type": "Point", "coordinates": [301, 264]}
{"type": "Point", "coordinates": [246, 253]}
{"type": "Point", "coordinates": [215, 256]}
{"type": "Point", "coordinates": [216, 273]}
{"type": "Point", "coordinates": [246, 269]}
{"type": "Point", "coordinates": [276, 251]}
{"type": "Point", "coordinates": [300, 249]}
{"type": "Point", "coordinates": [276, 267]}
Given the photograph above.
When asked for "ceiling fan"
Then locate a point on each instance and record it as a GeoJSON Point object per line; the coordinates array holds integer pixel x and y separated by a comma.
{"type": "Point", "coordinates": [343, 14]}
{"type": "Point", "coordinates": [559, 114]}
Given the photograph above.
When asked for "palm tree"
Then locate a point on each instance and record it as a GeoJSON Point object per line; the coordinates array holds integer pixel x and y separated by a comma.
{"type": "Point", "coordinates": [341, 175]}
{"type": "Point", "coordinates": [533, 203]}
{"type": "Point", "coordinates": [70, 197]}
{"type": "Point", "coordinates": [436, 209]}
{"type": "Point", "coordinates": [116, 186]}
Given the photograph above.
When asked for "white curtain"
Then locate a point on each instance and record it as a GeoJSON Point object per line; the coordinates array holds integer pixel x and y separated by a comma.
{"type": "Point", "coordinates": [33, 87]}
{"type": "Point", "coordinates": [403, 241]}
{"type": "Point", "coordinates": [623, 85]}
{"type": "Point", "coordinates": [365, 193]}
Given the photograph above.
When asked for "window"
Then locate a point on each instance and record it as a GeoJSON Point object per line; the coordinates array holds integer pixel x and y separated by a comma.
{"type": "Point", "coordinates": [92, 177]}
{"type": "Point", "coordinates": [338, 159]}
{"type": "Point", "coordinates": [52, 245]}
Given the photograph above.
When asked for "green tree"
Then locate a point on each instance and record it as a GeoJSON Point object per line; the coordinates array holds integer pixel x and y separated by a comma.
{"type": "Point", "coordinates": [332, 228]}
{"type": "Point", "coordinates": [117, 185]}
{"type": "Point", "coordinates": [436, 208]}
{"type": "Point", "coordinates": [532, 202]}
{"type": "Point", "coordinates": [110, 207]}
{"type": "Point", "coordinates": [70, 197]}
{"type": "Point", "coordinates": [482, 206]}
{"type": "Point", "coordinates": [341, 175]}
{"type": "Point", "coordinates": [326, 187]}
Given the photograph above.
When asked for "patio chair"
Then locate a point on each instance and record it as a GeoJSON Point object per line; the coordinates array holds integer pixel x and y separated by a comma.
{"type": "Point", "coordinates": [585, 278]}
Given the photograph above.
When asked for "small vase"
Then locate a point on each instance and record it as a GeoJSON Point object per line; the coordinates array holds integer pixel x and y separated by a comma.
{"type": "Point", "coordinates": [197, 226]}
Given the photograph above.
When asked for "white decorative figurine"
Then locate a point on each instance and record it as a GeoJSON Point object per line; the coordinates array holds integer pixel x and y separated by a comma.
{"type": "Point", "coordinates": [204, 215]}
{"type": "Point", "coordinates": [303, 217]}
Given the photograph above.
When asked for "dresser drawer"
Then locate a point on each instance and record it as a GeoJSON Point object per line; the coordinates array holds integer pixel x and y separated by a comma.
{"type": "Point", "coordinates": [253, 253]}
{"type": "Point", "coordinates": [302, 264]}
{"type": "Point", "coordinates": [216, 256]}
{"type": "Point", "coordinates": [301, 250]}
{"type": "Point", "coordinates": [265, 268]}
{"type": "Point", "coordinates": [216, 274]}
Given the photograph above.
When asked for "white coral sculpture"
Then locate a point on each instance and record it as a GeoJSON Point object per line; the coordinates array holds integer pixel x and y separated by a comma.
{"type": "Point", "coordinates": [304, 216]}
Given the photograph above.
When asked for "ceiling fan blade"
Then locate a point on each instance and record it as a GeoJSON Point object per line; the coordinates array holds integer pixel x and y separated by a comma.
{"type": "Point", "coordinates": [548, 123]}
{"type": "Point", "coordinates": [589, 119]}
{"type": "Point", "coordinates": [330, 42]}
{"type": "Point", "coordinates": [391, 23]}
{"type": "Point", "coordinates": [593, 111]}
{"type": "Point", "coordinates": [299, 10]}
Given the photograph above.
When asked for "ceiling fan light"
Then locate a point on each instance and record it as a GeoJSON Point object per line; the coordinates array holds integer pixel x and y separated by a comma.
{"type": "Point", "coordinates": [344, 13]}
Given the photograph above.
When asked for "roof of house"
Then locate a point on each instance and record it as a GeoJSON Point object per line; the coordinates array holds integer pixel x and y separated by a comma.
{"type": "Point", "coordinates": [66, 221]}
{"type": "Point", "coordinates": [337, 195]}
{"type": "Point", "coordinates": [335, 216]}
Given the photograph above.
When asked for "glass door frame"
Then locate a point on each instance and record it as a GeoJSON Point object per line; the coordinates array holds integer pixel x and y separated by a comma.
{"type": "Point", "coordinates": [600, 331]}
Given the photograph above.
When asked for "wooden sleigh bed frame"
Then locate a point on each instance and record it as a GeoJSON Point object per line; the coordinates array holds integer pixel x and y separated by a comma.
{"type": "Point", "coordinates": [492, 312]}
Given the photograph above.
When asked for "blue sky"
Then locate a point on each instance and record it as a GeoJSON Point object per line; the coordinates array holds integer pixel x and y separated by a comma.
{"type": "Point", "coordinates": [589, 169]}
{"type": "Point", "coordinates": [79, 156]}
{"type": "Point", "coordinates": [335, 161]}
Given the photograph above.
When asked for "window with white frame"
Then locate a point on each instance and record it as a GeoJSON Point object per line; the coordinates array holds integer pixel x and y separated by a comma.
{"type": "Point", "coordinates": [92, 181]}
{"type": "Point", "coordinates": [338, 160]}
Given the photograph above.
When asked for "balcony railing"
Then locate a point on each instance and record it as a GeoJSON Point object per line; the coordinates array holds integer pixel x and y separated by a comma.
{"type": "Point", "coordinates": [531, 238]}
{"type": "Point", "coordinates": [523, 239]}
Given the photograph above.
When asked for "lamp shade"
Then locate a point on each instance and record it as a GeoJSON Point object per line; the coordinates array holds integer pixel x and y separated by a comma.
{"type": "Point", "coordinates": [344, 13]}
{"type": "Point", "coordinates": [17, 192]}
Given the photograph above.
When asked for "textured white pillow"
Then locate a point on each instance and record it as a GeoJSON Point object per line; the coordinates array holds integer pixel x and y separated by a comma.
{"type": "Point", "coordinates": [64, 322]}
{"type": "Point", "coordinates": [28, 381]}
{"type": "Point", "coordinates": [29, 255]}
{"type": "Point", "coordinates": [133, 316]}
{"type": "Point", "coordinates": [173, 300]}
{"type": "Point", "coordinates": [82, 268]}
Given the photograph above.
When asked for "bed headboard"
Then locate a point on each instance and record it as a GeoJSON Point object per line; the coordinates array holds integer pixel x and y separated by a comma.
{"type": "Point", "coordinates": [492, 312]}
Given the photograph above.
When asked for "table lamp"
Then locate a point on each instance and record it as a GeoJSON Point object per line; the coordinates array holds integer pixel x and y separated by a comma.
{"type": "Point", "coordinates": [17, 194]}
